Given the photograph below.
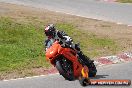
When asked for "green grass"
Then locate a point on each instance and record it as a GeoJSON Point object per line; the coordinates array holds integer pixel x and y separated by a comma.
{"type": "Point", "coordinates": [21, 44]}
{"type": "Point", "coordinates": [91, 45]}
{"type": "Point", "coordinates": [125, 1]}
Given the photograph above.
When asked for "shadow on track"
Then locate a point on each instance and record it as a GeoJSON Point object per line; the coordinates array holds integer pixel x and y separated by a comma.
{"type": "Point", "coordinates": [99, 76]}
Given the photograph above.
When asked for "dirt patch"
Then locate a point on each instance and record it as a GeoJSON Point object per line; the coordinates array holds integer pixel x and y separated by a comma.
{"type": "Point", "coordinates": [43, 71]}
{"type": "Point", "coordinates": [27, 73]}
{"type": "Point", "coordinates": [122, 34]}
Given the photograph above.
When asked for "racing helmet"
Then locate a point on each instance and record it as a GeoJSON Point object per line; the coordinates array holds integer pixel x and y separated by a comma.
{"type": "Point", "coordinates": [50, 30]}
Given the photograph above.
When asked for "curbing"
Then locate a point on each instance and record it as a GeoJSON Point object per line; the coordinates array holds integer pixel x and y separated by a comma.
{"type": "Point", "coordinates": [108, 0]}
{"type": "Point", "coordinates": [120, 58]}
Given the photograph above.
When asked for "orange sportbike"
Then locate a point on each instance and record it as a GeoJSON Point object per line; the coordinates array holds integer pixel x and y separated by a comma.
{"type": "Point", "coordinates": [67, 63]}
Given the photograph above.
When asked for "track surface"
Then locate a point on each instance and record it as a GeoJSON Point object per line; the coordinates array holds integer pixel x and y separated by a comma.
{"type": "Point", "coordinates": [115, 71]}
{"type": "Point", "coordinates": [115, 12]}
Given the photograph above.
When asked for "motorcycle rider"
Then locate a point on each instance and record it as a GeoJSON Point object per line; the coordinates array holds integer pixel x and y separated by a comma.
{"type": "Point", "coordinates": [53, 34]}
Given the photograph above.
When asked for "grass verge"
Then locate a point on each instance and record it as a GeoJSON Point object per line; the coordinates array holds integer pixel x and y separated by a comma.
{"type": "Point", "coordinates": [125, 1]}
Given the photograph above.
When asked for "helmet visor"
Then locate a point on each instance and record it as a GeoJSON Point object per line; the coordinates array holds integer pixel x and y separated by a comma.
{"type": "Point", "coordinates": [47, 33]}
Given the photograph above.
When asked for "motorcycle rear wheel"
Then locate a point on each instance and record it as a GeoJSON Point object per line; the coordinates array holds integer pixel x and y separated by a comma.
{"type": "Point", "coordinates": [92, 70]}
{"type": "Point", "coordinates": [90, 64]}
{"type": "Point", "coordinates": [65, 73]}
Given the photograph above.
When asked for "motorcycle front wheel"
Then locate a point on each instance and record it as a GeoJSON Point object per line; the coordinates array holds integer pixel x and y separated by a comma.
{"type": "Point", "coordinates": [65, 69]}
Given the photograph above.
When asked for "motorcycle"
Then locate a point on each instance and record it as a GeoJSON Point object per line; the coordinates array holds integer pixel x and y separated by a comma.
{"type": "Point", "coordinates": [67, 63]}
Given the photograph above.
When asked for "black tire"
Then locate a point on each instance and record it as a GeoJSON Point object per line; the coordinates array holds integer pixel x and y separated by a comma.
{"type": "Point", "coordinates": [92, 70]}
{"type": "Point", "coordinates": [89, 63]}
{"type": "Point", "coordinates": [63, 72]}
